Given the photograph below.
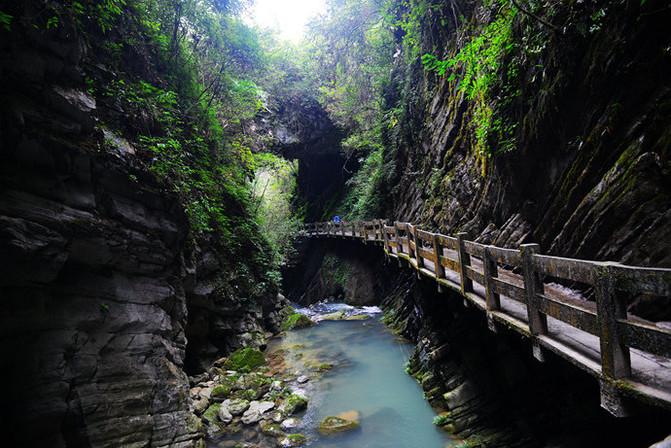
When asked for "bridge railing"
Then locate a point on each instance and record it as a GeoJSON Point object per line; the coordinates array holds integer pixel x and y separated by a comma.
{"type": "Point", "coordinates": [519, 275]}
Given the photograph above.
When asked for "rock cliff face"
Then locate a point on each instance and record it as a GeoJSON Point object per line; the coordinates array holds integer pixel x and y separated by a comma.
{"type": "Point", "coordinates": [490, 389]}
{"type": "Point", "coordinates": [102, 299]}
{"type": "Point", "coordinates": [590, 173]}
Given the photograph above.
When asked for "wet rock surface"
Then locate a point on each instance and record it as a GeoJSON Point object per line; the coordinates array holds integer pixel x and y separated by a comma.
{"type": "Point", "coordinates": [337, 425]}
{"type": "Point", "coordinates": [103, 301]}
{"type": "Point", "coordinates": [264, 420]}
{"type": "Point", "coordinates": [489, 389]}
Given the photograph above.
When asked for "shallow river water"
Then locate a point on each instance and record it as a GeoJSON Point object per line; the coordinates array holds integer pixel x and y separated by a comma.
{"type": "Point", "coordinates": [367, 383]}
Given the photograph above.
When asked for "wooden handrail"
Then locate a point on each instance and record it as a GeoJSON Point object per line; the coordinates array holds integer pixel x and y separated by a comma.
{"type": "Point", "coordinates": [517, 275]}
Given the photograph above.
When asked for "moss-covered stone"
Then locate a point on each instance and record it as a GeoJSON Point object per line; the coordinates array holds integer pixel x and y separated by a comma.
{"type": "Point", "coordinates": [336, 425]}
{"type": "Point", "coordinates": [324, 367]}
{"type": "Point", "coordinates": [292, 404]}
{"type": "Point", "coordinates": [211, 415]}
{"type": "Point", "coordinates": [287, 311]}
{"type": "Point", "coordinates": [244, 357]}
{"type": "Point", "coordinates": [220, 393]}
{"type": "Point", "coordinates": [292, 440]}
{"type": "Point", "coordinates": [271, 429]}
{"type": "Point", "coordinates": [245, 394]}
{"type": "Point", "coordinates": [296, 321]}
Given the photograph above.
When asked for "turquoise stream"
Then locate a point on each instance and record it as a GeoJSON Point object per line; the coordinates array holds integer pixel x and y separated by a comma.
{"type": "Point", "coordinates": [368, 378]}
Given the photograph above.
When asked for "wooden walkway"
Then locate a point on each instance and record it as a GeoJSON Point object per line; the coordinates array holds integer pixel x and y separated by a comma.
{"type": "Point", "coordinates": [522, 290]}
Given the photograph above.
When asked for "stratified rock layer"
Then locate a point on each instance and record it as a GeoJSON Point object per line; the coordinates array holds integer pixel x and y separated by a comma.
{"type": "Point", "coordinates": [98, 287]}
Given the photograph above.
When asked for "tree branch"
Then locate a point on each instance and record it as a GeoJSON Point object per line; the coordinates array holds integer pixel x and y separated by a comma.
{"type": "Point", "coordinates": [531, 14]}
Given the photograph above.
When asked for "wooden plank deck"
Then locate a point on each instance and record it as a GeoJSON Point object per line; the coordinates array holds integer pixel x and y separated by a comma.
{"type": "Point", "coordinates": [630, 357]}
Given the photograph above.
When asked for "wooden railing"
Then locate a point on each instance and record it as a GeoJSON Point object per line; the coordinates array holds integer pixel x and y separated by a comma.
{"type": "Point", "coordinates": [509, 286]}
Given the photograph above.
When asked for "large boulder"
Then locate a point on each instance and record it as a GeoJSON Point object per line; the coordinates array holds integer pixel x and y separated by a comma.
{"type": "Point", "coordinates": [336, 425]}
{"type": "Point", "coordinates": [296, 321]}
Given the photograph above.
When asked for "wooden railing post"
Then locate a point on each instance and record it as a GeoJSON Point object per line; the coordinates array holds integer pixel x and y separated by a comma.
{"type": "Point", "coordinates": [399, 244]}
{"type": "Point", "coordinates": [533, 286]}
{"type": "Point", "coordinates": [385, 239]}
{"type": "Point", "coordinates": [464, 262]}
{"type": "Point", "coordinates": [615, 358]}
{"type": "Point", "coordinates": [493, 299]}
{"type": "Point", "coordinates": [418, 244]}
{"type": "Point", "coordinates": [363, 231]}
{"type": "Point", "coordinates": [410, 234]}
{"type": "Point", "coordinates": [439, 269]}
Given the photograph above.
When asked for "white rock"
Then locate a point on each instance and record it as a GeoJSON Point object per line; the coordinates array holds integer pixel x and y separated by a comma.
{"type": "Point", "coordinates": [303, 379]}
{"type": "Point", "coordinates": [236, 406]}
{"type": "Point", "coordinates": [205, 393]}
{"type": "Point", "coordinates": [224, 415]}
{"type": "Point", "coordinates": [256, 409]}
{"type": "Point", "coordinates": [290, 423]}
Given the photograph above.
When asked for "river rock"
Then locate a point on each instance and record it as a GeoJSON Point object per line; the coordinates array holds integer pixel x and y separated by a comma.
{"type": "Point", "coordinates": [200, 404]}
{"type": "Point", "coordinates": [302, 379]}
{"type": "Point", "coordinates": [296, 321]}
{"type": "Point", "coordinates": [244, 358]}
{"type": "Point", "coordinates": [220, 393]}
{"type": "Point", "coordinates": [335, 425]}
{"type": "Point", "coordinates": [246, 394]}
{"type": "Point", "coordinates": [256, 410]}
{"type": "Point", "coordinates": [292, 440]}
{"type": "Point", "coordinates": [666, 443]}
{"type": "Point", "coordinates": [290, 405]}
{"type": "Point", "coordinates": [271, 429]}
{"type": "Point", "coordinates": [236, 406]}
{"type": "Point", "coordinates": [212, 413]}
{"type": "Point", "coordinates": [206, 392]}
{"type": "Point", "coordinates": [290, 423]}
{"type": "Point", "coordinates": [225, 414]}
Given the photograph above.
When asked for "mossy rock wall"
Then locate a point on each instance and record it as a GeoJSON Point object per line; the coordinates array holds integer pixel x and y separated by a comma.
{"type": "Point", "coordinates": [590, 172]}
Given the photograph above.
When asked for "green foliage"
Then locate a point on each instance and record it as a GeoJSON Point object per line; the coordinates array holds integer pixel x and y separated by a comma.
{"type": "Point", "coordinates": [350, 52]}
{"type": "Point", "coordinates": [6, 21]}
{"type": "Point", "coordinates": [367, 189]}
{"type": "Point", "coordinates": [412, 15]}
{"type": "Point", "coordinates": [477, 67]}
{"type": "Point", "coordinates": [442, 419]}
{"type": "Point", "coordinates": [273, 189]}
{"type": "Point", "coordinates": [181, 85]}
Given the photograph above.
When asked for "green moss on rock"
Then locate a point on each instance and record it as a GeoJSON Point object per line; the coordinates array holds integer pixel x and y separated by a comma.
{"type": "Point", "coordinates": [211, 415]}
{"type": "Point", "coordinates": [336, 425]}
{"type": "Point", "coordinates": [292, 404]}
{"type": "Point", "coordinates": [271, 429]}
{"type": "Point", "coordinates": [287, 311]}
{"type": "Point", "coordinates": [292, 441]}
{"type": "Point", "coordinates": [296, 321]}
{"type": "Point", "coordinates": [244, 358]}
{"type": "Point", "coordinates": [220, 393]}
